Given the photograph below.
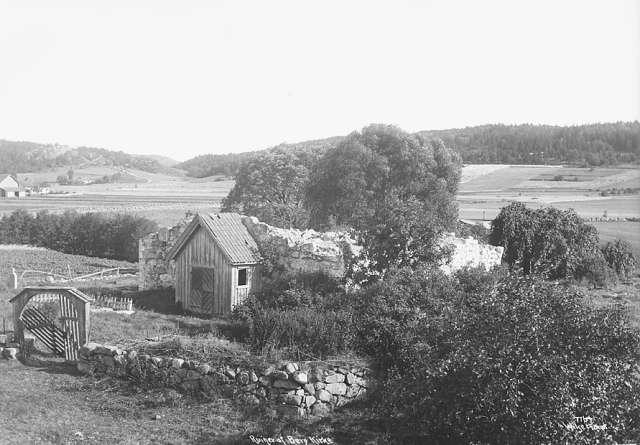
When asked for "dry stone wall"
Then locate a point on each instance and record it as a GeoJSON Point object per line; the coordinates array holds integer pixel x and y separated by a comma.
{"type": "Point", "coordinates": [297, 389]}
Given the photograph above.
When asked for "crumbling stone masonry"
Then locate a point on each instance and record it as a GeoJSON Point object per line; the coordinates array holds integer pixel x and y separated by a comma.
{"type": "Point", "coordinates": [296, 250]}
{"type": "Point", "coordinates": [307, 388]}
{"type": "Point", "coordinates": [305, 250]}
{"type": "Point", "coordinates": [469, 252]}
{"type": "Point", "coordinates": [155, 270]}
{"type": "Point", "coordinates": [300, 251]}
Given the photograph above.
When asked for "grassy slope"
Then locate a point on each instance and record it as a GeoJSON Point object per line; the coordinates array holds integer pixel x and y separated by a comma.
{"type": "Point", "coordinates": [53, 405]}
{"type": "Point", "coordinates": [24, 257]}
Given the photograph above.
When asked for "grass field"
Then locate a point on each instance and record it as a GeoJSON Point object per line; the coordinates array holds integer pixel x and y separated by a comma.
{"type": "Point", "coordinates": [24, 257]}
{"type": "Point", "coordinates": [485, 193]}
{"type": "Point", "coordinates": [162, 198]}
{"type": "Point", "coordinates": [627, 230]}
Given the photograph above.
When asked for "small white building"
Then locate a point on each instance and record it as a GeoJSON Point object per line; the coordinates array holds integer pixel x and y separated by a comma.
{"type": "Point", "coordinates": [9, 187]}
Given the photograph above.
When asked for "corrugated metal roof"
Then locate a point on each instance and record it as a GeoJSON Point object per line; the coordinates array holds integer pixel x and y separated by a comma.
{"type": "Point", "coordinates": [232, 236]}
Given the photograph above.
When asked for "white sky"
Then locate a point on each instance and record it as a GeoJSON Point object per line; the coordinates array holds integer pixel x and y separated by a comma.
{"type": "Point", "coordinates": [182, 78]}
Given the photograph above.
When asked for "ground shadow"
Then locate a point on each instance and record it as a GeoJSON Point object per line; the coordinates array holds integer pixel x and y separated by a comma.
{"type": "Point", "coordinates": [48, 362]}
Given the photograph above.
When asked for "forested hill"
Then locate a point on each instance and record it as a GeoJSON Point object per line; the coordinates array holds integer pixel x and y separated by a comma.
{"type": "Point", "coordinates": [228, 164]}
{"type": "Point", "coordinates": [590, 145]}
{"type": "Point", "coordinates": [25, 157]}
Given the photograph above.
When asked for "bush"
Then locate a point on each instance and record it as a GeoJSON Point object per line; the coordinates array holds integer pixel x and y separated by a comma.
{"type": "Point", "coordinates": [477, 231]}
{"type": "Point", "coordinates": [491, 359]}
{"type": "Point", "coordinates": [91, 234]}
{"type": "Point", "coordinates": [595, 270]}
{"type": "Point", "coordinates": [303, 332]}
{"type": "Point", "coordinates": [302, 314]}
{"type": "Point", "coordinates": [551, 242]}
{"type": "Point", "coordinates": [620, 257]}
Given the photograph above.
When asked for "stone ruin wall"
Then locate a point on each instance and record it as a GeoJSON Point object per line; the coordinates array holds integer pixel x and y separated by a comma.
{"type": "Point", "coordinates": [305, 250]}
{"type": "Point", "coordinates": [300, 251]}
{"type": "Point", "coordinates": [155, 271]}
{"type": "Point", "coordinates": [295, 389]}
{"type": "Point", "coordinates": [469, 252]}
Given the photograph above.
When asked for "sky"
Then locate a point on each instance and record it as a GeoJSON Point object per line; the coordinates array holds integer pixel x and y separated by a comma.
{"type": "Point", "coordinates": [188, 77]}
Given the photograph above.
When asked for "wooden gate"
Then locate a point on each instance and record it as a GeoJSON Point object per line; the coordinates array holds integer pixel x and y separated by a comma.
{"type": "Point", "coordinates": [73, 331]}
{"type": "Point", "coordinates": [202, 289]}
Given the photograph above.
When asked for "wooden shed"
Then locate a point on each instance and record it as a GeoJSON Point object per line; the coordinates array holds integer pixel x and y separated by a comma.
{"type": "Point", "coordinates": [217, 264]}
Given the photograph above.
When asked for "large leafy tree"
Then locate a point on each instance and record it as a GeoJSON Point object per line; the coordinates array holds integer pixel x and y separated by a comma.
{"type": "Point", "coordinates": [396, 190]}
{"type": "Point", "coordinates": [271, 186]}
{"type": "Point", "coordinates": [551, 242]}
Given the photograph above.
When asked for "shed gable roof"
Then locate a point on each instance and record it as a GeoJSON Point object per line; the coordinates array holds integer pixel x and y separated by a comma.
{"type": "Point", "coordinates": [227, 231]}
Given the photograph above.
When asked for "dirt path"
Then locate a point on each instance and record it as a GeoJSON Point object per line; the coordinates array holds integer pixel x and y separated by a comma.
{"type": "Point", "coordinates": [52, 404]}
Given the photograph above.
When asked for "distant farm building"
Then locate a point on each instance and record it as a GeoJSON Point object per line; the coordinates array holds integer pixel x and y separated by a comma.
{"type": "Point", "coordinates": [9, 187]}
{"type": "Point", "coordinates": [216, 264]}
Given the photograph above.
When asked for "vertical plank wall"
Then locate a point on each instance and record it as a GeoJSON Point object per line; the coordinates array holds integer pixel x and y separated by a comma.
{"type": "Point", "coordinates": [201, 250]}
{"type": "Point", "coordinates": [239, 294]}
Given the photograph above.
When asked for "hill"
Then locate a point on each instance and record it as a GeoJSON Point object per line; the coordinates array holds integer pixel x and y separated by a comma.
{"type": "Point", "coordinates": [583, 145]}
{"type": "Point", "coordinates": [28, 157]}
{"type": "Point", "coordinates": [165, 161]}
{"type": "Point", "coordinates": [228, 164]}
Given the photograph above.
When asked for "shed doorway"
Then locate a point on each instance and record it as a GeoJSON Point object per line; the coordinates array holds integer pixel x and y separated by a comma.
{"type": "Point", "coordinates": [202, 286]}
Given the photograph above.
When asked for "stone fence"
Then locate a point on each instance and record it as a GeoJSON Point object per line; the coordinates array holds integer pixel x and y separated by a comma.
{"type": "Point", "coordinates": [308, 388]}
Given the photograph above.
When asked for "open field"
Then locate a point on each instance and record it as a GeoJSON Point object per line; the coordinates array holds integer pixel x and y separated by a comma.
{"type": "Point", "coordinates": [486, 192]}
{"type": "Point", "coordinates": [162, 198]}
{"type": "Point", "coordinates": [24, 257]}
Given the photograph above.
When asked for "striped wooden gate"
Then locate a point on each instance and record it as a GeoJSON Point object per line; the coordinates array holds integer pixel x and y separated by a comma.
{"type": "Point", "coordinates": [202, 289]}
{"type": "Point", "coordinates": [44, 329]}
{"type": "Point", "coordinates": [73, 331]}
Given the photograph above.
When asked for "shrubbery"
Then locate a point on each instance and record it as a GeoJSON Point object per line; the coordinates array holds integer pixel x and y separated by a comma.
{"type": "Point", "coordinates": [304, 315]}
{"type": "Point", "coordinates": [619, 256]}
{"type": "Point", "coordinates": [550, 242]}
{"type": "Point", "coordinates": [485, 358]}
{"type": "Point", "coordinates": [91, 234]}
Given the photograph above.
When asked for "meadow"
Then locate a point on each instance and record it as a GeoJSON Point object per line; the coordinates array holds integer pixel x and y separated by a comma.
{"type": "Point", "coordinates": [163, 198]}
{"type": "Point", "coordinates": [484, 192]}
{"type": "Point", "coordinates": [37, 258]}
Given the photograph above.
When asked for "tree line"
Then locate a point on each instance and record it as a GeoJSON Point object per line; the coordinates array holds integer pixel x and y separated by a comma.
{"type": "Point", "coordinates": [581, 145]}
{"type": "Point", "coordinates": [102, 235]}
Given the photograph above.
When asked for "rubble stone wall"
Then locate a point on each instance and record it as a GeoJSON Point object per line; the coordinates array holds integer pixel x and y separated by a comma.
{"type": "Point", "coordinates": [298, 389]}
{"type": "Point", "coordinates": [305, 250]}
{"type": "Point", "coordinates": [469, 252]}
{"type": "Point", "coordinates": [298, 251]}
{"type": "Point", "coordinates": [155, 270]}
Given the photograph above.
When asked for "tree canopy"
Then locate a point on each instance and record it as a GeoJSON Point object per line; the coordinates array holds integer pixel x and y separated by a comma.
{"type": "Point", "coordinates": [552, 242]}
{"type": "Point", "coordinates": [272, 187]}
{"type": "Point", "coordinates": [396, 190]}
